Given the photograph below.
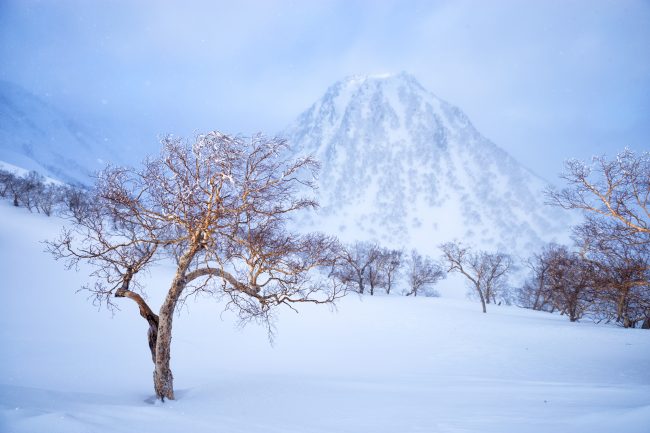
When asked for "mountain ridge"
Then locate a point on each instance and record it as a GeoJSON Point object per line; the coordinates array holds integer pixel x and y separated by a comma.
{"type": "Point", "coordinates": [402, 165]}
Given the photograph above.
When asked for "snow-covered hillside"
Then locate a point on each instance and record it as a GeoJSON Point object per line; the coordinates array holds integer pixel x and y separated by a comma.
{"type": "Point", "coordinates": [36, 136]}
{"type": "Point", "coordinates": [401, 166]}
{"type": "Point", "coordinates": [380, 364]}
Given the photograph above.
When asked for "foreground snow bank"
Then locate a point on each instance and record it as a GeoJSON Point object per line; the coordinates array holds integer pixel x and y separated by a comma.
{"type": "Point", "coordinates": [389, 364]}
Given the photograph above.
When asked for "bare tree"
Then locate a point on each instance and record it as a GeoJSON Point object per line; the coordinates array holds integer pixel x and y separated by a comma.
{"type": "Point", "coordinates": [74, 202]}
{"type": "Point", "coordinates": [375, 269]}
{"type": "Point", "coordinates": [359, 265]}
{"type": "Point", "coordinates": [15, 189]}
{"type": "Point", "coordinates": [570, 280]}
{"type": "Point", "coordinates": [391, 263]}
{"type": "Point", "coordinates": [485, 271]}
{"type": "Point", "coordinates": [618, 189]}
{"type": "Point", "coordinates": [535, 292]}
{"type": "Point", "coordinates": [48, 198]}
{"type": "Point", "coordinates": [30, 189]}
{"type": "Point", "coordinates": [422, 274]}
{"type": "Point", "coordinates": [6, 179]}
{"type": "Point", "coordinates": [614, 196]}
{"type": "Point", "coordinates": [623, 270]}
{"type": "Point", "coordinates": [218, 208]}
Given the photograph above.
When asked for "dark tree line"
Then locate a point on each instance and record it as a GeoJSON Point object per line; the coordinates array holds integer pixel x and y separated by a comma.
{"type": "Point", "coordinates": [606, 273]}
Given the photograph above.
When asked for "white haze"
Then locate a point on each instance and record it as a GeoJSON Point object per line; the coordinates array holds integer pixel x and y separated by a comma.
{"type": "Point", "coordinates": [545, 80]}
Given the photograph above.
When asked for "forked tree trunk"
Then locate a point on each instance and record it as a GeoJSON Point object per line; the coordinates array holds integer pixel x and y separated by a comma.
{"type": "Point", "coordinates": [145, 311]}
{"type": "Point", "coordinates": [160, 327]}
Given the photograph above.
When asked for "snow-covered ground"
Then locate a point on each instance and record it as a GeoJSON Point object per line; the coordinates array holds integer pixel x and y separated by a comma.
{"type": "Point", "coordinates": [383, 364]}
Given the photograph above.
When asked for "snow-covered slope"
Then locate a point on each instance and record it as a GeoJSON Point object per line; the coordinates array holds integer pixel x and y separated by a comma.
{"type": "Point", "coordinates": [405, 167]}
{"type": "Point", "coordinates": [381, 364]}
{"type": "Point", "coordinates": [37, 136]}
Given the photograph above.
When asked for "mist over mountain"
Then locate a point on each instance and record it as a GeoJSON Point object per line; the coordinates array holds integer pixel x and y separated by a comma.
{"type": "Point", "coordinates": [399, 165]}
{"type": "Point", "coordinates": [37, 136]}
{"type": "Point", "coordinates": [404, 167]}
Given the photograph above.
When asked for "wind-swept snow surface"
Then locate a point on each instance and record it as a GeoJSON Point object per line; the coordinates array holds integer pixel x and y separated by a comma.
{"type": "Point", "coordinates": [382, 364]}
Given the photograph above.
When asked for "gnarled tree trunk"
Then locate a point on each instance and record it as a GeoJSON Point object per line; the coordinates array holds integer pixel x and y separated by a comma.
{"type": "Point", "coordinates": [149, 316]}
{"type": "Point", "coordinates": [162, 376]}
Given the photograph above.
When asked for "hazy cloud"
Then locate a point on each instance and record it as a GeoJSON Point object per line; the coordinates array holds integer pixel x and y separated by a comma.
{"type": "Point", "coordinates": [546, 80]}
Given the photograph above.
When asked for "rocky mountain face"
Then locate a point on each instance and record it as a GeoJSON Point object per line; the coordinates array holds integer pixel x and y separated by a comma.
{"type": "Point", "coordinates": [403, 167]}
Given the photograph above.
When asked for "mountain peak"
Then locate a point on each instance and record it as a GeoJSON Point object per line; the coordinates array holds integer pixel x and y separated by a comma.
{"type": "Point", "coordinates": [373, 82]}
{"type": "Point", "coordinates": [403, 167]}
{"type": "Point", "coordinates": [385, 76]}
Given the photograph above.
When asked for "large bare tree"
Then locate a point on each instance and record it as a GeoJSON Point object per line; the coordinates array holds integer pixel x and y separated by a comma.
{"type": "Point", "coordinates": [614, 197]}
{"type": "Point", "coordinates": [622, 266]}
{"type": "Point", "coordinates": [217, 208]}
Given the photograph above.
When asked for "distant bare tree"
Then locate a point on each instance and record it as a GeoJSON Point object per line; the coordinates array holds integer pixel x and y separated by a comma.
{"type": "Point", "coordinates": [536, 293]}
{"type": "Point", "coordinates": [422, 274]}
{"type": "Point", "coordinates": [6, 179]}
{"type": "Point", "coordinates": [485, 271]}
{"type": "Point", "coordinates": [75, 202]}
{"type": "Point", "coordinates": [358, 265]}
{"type": "Point", "coordinates": [571, 281]}
{"type": "Point", "coordinates": [391, 263]}
{"type": "Point", "coordinates": [48, 198]}
{"type": "Point", "coordinates": [13, 188]}
{"type": "Point", "coordinates": [218, 208]}
{"type": "Point", "coordinates": [30, 189]}
{"type": "Point", "coordinates": [375, 270]}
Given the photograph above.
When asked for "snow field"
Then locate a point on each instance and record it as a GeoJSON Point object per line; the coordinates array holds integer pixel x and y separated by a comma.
{"type": "Point", "coordinates": [382, 364]}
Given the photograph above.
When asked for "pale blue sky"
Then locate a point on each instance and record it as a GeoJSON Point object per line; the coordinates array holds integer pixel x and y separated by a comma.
{"type": "Point", "coordinates": [545, 80]}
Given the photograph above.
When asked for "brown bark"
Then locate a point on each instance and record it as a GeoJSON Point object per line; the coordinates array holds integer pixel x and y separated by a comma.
{"type": "Point", "coordinates": [145, 311]}
{"type": "Point", "coordinates": [147, 314]}
{"type": "Point", "coordinates": [162, 376]}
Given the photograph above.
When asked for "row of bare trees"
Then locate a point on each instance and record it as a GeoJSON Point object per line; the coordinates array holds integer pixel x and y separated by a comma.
{"type": "Point", "coordinates": [366, 267]}
{"type": "Point", "coordinates": [606, 273]}
{"type": "Point", "coordinates": [36, 194]}
{"type": "Point", "coordinates": [578, 284]}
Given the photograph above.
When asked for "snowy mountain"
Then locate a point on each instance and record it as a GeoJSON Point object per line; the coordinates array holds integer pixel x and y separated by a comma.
{"type": "Point", "coordinates": [36, 136]}
{"type": "Point", "coordinates": [404, 167]}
